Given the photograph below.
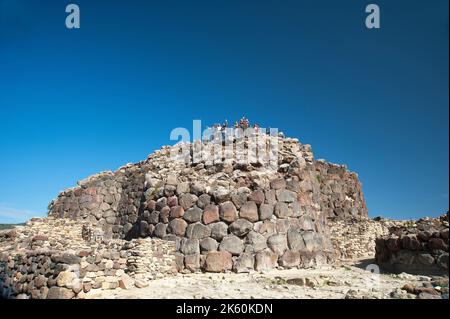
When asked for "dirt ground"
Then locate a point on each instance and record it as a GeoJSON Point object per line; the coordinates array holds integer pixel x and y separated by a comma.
{"type": "Point", "coordinates": [348, 280]}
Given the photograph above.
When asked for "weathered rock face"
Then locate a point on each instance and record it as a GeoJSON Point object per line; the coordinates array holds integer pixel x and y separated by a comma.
{"type": "Point", "coordinates": [420, 247]}
{"type": "Point", "coordinates": [263, 217]}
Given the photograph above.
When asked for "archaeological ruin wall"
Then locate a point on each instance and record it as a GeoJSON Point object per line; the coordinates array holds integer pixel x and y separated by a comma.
{"type": "Point", "coordinates": [416, 247]}
{"type": "Point", "coordinates": [341, 195]}
{"type": "Point", "coordinates": [223, 216]}
{"type": "Point", "coordinates": [62, 258]}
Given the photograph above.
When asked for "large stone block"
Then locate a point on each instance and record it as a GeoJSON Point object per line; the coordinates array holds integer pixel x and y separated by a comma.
{"type": "Point", "coordinates": [203, 200]}
{"type": "Point", "coordinates": [244, 263]}
{"type": "Point", "coordinates": [270, 196]}
{"type": "Point", "coordinates": [165, 214]}
{"type": "Point", "coordinates": [241, 227]}
{"type": "Point", "coordinates": [232, 244]}
{"type": "Point", "coordinates": [239, 199]}
{"type": "Point", "coordinates": [265, 211]}
{"type": "Point", "coordinates": [176, 212]}
{"type": "Point", "coordinates": [143, 228]}
{"type": "Point", "coordinates": [286, 196]}
{"type": "Point", "coordinates": [198, 188]}
{"type": "Point", "coordinates": [208, 244]}
{"type": "Point", "coordinates": [221, 194]}
{"type": "Point", "coordinates": [295, 240]}
{"type": "Point", "coordinates": [265, 260]}
{"type": "Point", "coordinates": [283, 225]}
{"type": "Point", "coordinates": [210, 214]}
{"type": "Point", "coordinates": [306, 223]}
{"type": "Point", "coordinates": [256, 241]}
{"type": "Point", "coordinates": [172, 179]}
{"type": "Point", "coordinates": [172, 201]}
{"type": "Point", "coordinates": [190, 246]}
{"type": "Point", "coordinates": [410, 242]}
{"type": "Point", "coordinates": [228, 212]}
{"type": "Point", "coordinates": [218, 261]}
{"type": "Point", "coordinates": [160, 203]}
{"type": "Point", "coordinates": [290, 259]}
{"type": "Point", "coordinates": [293, 185]}
{"type": "Point", "coordinates": [60, 293]}
{"type": "Point", "coordinates": [219, 230]}
{"type": "Point", "coordinates": [442, 261]}
{"type": "Point", "coordinates": [193, 214]}
{"type": "Point", "coordinates": [278, 244]}
{"type": "Point", "coordinates": [267, 228]}
{"type": "Point", "coordinates": [153, 217]}
{"type": "Point", "coordinates": [198, 231]}
{"type": "Point", "coordinates": [282, 210]}
{"type": "Point", "coordinates": [249, 211]}
{"type": "Point", "coordinates": [313, 241]}
{"type": "Point", "coordinates": [173, 238]}
{"type": "Point", "coordinates": [187, 200]}
{"type": "Point", "coordinates": [65, 279]}
{"type": "Point", "coordinates": [192, 262]}
{"type": "Point", "coordinates": [177, 227]}
{"type": "Point", "coordinates": [257, 196]}
{"type": "Point", "coordinates": [169, 190]}
{"type": "Point", "coordinates": [66, 258]}
{"type": "Point", "coordinates": [425, 259]}
{"type": "Point", "coordinates": [160, 230]}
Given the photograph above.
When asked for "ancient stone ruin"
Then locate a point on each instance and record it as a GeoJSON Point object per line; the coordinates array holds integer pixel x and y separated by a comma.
{"type": "Point", "coordinates": [223, 216]}
{"type": "Point", "coordinates": [60, 258]}
{"type": "Point", "coordinates": [170, 214]}
{"type": "Point", "coordinates": [415, 247]}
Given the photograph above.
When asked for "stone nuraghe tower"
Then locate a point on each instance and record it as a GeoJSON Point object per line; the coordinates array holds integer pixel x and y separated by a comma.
{"type": "Point", "coordinates": [221, 213]}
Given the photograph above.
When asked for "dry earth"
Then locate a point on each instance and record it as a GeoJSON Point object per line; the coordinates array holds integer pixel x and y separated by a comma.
{"type": "Point", "coordinates": [349, 280]}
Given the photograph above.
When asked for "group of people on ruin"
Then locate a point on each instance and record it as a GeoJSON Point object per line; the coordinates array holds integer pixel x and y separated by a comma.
{"type": "Point", "coordinates": [242, 124]}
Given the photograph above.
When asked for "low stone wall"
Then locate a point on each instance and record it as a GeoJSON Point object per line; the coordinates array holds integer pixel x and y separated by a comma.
{"type": "Point", "coordinates": [419, 247]}
{"type": "Point", "coordinates": [354, 238]}
{"type": "Point", "coordinates": [62, 258]}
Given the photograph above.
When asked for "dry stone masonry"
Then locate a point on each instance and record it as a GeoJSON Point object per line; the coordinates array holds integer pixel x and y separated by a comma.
{"type": "Point", "coordinates": [354, 238]}
{"type": "Point", "coordinates": [222, 214]}
{"type": "Point", "coordinates": [60, 258]}
{"type": "Point", "coordinates": [198, 207]}
{"type": "Point", "coordinates": [341, 195]}
{"type": "Point", "coordinates": [416, 247]}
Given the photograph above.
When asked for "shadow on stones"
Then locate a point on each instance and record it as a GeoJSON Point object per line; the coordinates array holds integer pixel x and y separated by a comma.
{"type": "Point", "coordinates": [364, 263]}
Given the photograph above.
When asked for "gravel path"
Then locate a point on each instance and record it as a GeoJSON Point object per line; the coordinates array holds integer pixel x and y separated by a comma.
{"type": "Point", "coordinates": [345, 281]}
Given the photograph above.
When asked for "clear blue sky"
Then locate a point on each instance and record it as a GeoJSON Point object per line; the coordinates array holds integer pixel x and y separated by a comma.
{"type": "Point", "coordinates": [76, 102]}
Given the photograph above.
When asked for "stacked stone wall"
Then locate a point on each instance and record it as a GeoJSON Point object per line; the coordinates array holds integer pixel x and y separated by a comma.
{"type": "Point", "coordinates": [354, 238]}
{"type": "Point", "coordinates": [417, 247]}
{"type": "Point", "coordinates": [241, 216]}
{"type": "Point", "coordinates": [341, 194]}
{"type": "Point", "coordinates": [63, 259]}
